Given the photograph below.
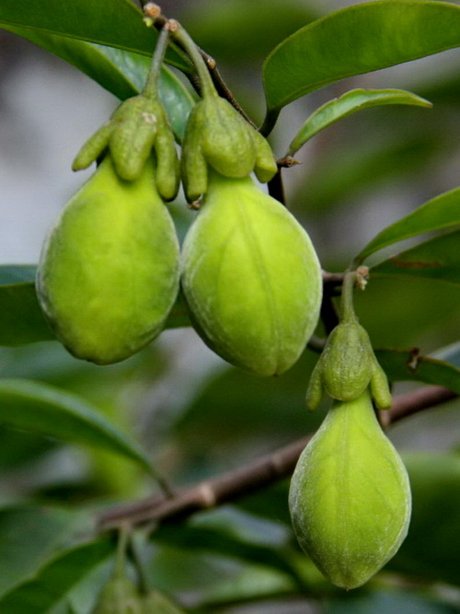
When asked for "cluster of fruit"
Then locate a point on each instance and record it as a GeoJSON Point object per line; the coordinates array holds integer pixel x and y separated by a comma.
{"type": "Point", "coordinates": [110, 270]}
{"type": "Point", "coordinates": [110, 273]}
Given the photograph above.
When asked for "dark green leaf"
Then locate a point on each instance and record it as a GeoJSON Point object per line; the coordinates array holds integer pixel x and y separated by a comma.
{"type": "Point", "coordinates": [122, 73]}
{"type": "Point", "coordinates": [440, 213]}
{"type": "Point", "coordinates": [356, 40]}
{"type": "Point", "coordinates": [438, 259]}
{"type": "Point", "coordinates": [21, 319]}
{"type": "Point", "coordinates": [117, 23]}
{"type": "Point", "coordinates": [44, 409]}
{"type": "Point", "coordinates": [431, 547]}
{"type": "Point", "coordinates": [347, 104]}
{"type": "Point", "coordinates": [407, 365]}
{"type": "Point", "coordinates": [209, 539]}
{"type": "Point", "coordinates": [28, 535]}
{"type": "Point", "coordinates": [51, 585]}
{"type": "Point", "coordinates": [450, 354]}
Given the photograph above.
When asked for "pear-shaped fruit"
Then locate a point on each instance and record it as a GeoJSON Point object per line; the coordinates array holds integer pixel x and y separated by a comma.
{"type": "Point", "coordinates": [109, 271]}
{"type": "Point", "coordinates": [350, 498]}
{"type": "Point", "coordinates": [251, 277]}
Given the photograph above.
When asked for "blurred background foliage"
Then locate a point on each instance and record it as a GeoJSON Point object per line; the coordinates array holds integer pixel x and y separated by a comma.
{"type": "Point", "coordinates": [195, 415]}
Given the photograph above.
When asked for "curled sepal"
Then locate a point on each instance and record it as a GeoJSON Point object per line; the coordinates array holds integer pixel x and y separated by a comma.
{"type": "Point", "coordinates": [347, 367]}
{"type": "Point", "coordinates": [350, 498]}
{"type": "Point", "coordinates": [218, 136]}
{"type": "Point", "coordinates": [251, 277]}
{"type": "Point", "coordinates": [138, 126]}
{"type": "Point", "coordinates": [119, 596]}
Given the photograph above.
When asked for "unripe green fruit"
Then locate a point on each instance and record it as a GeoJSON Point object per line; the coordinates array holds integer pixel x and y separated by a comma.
{"type": "Point", "coordinates": [109, 271]}
{"type": "Point", "coordinates": [251, 277]}
{"type": "Point", "coordinates": [119, 596]}
{"type": "Point", "coordinates": [350, 498]}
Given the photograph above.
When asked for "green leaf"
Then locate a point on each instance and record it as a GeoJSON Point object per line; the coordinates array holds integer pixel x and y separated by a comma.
{"type": "Point", "coordinates": [21, 319]}
{"type": "Point", "coordinates": [40, 408]}
{"type": "Point", "coordinates": [431, 548]}
{"type": "Point", "coordinates": [51, 585]}
{"type": "Point", "coordinates": [440, 213]}
{"type": "Point", "coordinates": [438, 259]}
{"type": "Point", "coordinates": [407, 365]}
{"type": "Point", "coordinates": [117, 23]}
{"type": "Point", "coordinates": [28, 535]}
{"type": "Point", "coordinates": [215, 540]}
{"type": "Point", "coordinates": [349, 103]}
{"type": "Point", "coordinates": [122, 73]}
{"type": "Point", "coordinates": [356, 40]}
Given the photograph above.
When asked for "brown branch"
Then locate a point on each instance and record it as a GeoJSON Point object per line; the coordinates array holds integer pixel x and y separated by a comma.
{"type": "Point", "coordinates": [262, 472]}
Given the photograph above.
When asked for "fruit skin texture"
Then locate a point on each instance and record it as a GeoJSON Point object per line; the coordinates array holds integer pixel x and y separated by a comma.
{"type": "Point", "coordinates": [350, 497]}
{"type": "Point", "coordinates": [251, 277]}
{"type": "Point", "coordinates": [109, 271]}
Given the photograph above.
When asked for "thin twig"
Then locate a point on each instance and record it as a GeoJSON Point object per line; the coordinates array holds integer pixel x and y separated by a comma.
{"type": "Point", "coordinates": [250, 478]}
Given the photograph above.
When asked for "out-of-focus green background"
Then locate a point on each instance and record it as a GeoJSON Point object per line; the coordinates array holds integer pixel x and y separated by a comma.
{"type": "Point", "coordinates": [193, 413]}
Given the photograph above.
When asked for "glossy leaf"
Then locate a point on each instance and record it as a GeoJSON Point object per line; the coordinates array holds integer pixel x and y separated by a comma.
{"type": "Point", "coordinates": [440, 213]}
{"type": "Point", "coordinates": [28, 536]}
{"type": "Point", "coordinates": [438, 259]}
{"type": "Point", "coordinates": [21, 319]}
{"type": "Point", "coordinates": [53, 582]}
{"type": "Point", "coordinates": [349, 103]}
{"type": "Point", "coordinates": [40, 408]}
{"type": "Point", "coordinates": [356, 40]}
{"type": "Point", "coordinates": [121, 72]}
{"type": "Point", "coordinates": [407, 365]}
{"type": "Point", "coordinates": [117, 23]}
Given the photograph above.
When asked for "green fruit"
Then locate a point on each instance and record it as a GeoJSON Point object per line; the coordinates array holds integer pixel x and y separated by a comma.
{"type": "Point", "coordinates": [109, 271]}
{"type": "Point", "coordinates": [119, 596]}
{"type": "Point", "coordinates": [350, 498]}
{"type": "Point", "coordinates": [251, 277]}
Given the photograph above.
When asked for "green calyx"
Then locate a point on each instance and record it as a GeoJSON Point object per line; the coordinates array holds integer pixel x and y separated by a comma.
{"type": "Point", "coordinates": [350, 499]}
{"type": "Point", "coordinates": [138, 126]}
{"type": "Point", "coordinates": [347, 365]}
{"type": "Point", "coordinates": [136, 129]}
{"type": "Point", "coordinates": [218, 137]}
